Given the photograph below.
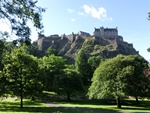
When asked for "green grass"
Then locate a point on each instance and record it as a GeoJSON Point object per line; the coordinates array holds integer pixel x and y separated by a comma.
{"type": "Point", "coordinates": [144, 107]}
{"type": "Point", "coordinates": [7, 106]}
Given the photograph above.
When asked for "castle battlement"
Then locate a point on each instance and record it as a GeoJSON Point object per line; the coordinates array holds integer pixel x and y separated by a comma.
{"type": "Point", "coordinates": [106, 32]}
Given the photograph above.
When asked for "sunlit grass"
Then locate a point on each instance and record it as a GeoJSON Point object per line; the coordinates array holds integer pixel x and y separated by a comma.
{"type": "Point", "coordinates": [9, 105]}
{"type": "Point", "coordinates": [145, 106]}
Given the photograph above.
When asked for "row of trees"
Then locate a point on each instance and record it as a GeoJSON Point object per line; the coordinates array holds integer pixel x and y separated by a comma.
{"type": "Point", "coordinates": [25, 75]}
{"type": "Point", "coordinates": [22, 74]}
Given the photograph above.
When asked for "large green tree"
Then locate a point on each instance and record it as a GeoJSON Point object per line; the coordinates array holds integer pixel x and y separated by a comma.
{"type": "Point", "coordinates": [18, 13]}
{"type": "Point", "coordinates": [70, 82]}
{"type": "Point", "coordinates": [137, 83]}
{"type": "Point", "coordinates": [21, 72]}
{"type": "Point", "coordinates": [119, 76]}
{"type": "Point", "coordinates": [3, 49]}
{"type": "Point", "coordinates": [82, 66]}
{"type": "Point", "coordinates": [94, 62]}
{"type": "Point", "coordinates": [51, 66]}
{"type": "Point", "coordinates": [3, 85]}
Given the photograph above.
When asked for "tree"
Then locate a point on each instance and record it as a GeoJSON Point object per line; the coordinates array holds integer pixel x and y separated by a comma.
{"type": "Point", "coordinates": [51, 66]}
{"type": "Point", "coordinates": [137, 83]}
{"type": "Point", "coordinates": [82, 66]}
{"type": "Point", "coordinates": [21, 71]}
{"type": "Point", "coordinates": [115, 77]}
{"type": "Point", "coordinates": [69, 82]}
{"type": "Point", "coordinates": [3, 49]}
{"type": "Point", "coordinates": [94, 62]}
{"type": "Point", "coordinates": [3, 85]}
{"type": "Point", "coordinates": [51, 51]}
{"type": "Point", "coordinates": [18, 13]}
{"type": "Point", "coordinates": [30, 49]}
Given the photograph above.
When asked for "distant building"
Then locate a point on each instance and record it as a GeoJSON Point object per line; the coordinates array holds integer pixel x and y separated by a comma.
{"type": "Point", "coordinates": [106, 32]}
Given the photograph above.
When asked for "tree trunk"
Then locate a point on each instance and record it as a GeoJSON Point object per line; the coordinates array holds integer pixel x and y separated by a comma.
{"type": "Point", "coordinates": [68, 96]}
{"type": "Point", "coordinates": [21, 94]}
{"type": "Point", "coordinates": [21, 102]}
{"type": "Point", "coordinates": [118, 102]}
{"type": "Point", "coordinates": [137, 101]}
{"type": "Point", "coordinates": [33, 98]}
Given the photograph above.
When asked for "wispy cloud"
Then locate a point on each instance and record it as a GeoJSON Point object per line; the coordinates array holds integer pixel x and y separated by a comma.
{"type": "Point", "coordinates": [99, 13]}
{"type": "Point", "coordinates": [70, 10]}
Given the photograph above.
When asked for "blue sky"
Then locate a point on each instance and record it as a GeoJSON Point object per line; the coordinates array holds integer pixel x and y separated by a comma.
{"type": "Point", "coordinates": [130, 16]}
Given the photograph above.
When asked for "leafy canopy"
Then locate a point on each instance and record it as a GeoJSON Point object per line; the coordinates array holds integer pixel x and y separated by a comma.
{"type": "Point", "coordinates": [50, 67]}
{"type": "Point", "coordinates": [69, 82]}
{"type": "Point", "coordinates": [118, 76]}
{"type": "Point", "coordinates": [21, 71]}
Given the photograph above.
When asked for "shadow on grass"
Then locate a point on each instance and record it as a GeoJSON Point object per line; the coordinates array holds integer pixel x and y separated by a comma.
{"type": "Point", "coordinates": [127, 107]}
{"type": "Point", "coordinates": [131, 105]}
{"type": "Point", "coordinates": [38, 106]}
{"type": "Point", "coordinates": [88, 102]}
{"type": "Point", "coordinates": [56, 110]}
{"type": "Point", "coordinates": [59, 110]}
{"type": "Point", "coordinates": [31, 106]}
{"type": "Point", "coordinates": [135, 108]}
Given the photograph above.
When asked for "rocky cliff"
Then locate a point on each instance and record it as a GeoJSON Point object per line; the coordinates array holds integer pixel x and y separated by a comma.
{"type": "Point", "coordinates": [69, 45]}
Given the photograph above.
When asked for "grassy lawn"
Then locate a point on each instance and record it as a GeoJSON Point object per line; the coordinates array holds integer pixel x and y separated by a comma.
{"type": "Point", "coordinates": [125, 108]}
{"type": "Point", "coordinates": [128, 106]}
{"type": "Point", "coordinates": [7, 106]}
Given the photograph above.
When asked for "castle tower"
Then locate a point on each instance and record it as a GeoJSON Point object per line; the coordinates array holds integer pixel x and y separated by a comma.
{"type": "Point", "coordinates": [102, 33]}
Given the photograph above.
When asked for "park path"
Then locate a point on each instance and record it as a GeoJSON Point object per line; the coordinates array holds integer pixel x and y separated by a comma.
{"type": "Point", "coordinates": [90, 110]}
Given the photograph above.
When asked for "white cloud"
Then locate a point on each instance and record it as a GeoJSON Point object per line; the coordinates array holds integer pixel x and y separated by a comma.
{"type": "Point", "coordinates": [73, 19]}
{"type": "Point", "coordinates": [99, 13]}
{"type": "Point", "coordinates": [70, 10]}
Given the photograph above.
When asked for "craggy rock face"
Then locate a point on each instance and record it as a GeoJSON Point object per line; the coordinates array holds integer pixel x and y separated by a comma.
{"type": "Point", "coordinates": [69, 45]}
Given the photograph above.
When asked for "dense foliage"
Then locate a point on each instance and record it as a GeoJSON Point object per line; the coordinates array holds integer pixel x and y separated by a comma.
{"type": "Point", "coordinates": [21, 72]}
{"type": "Point", "coordinates": [120, 76]}
{"type": "Point", "coordinates": [70, 82]}
{"type": "Point", "coordinates": [51, 66]}
{"type": "Point", "coordinates": [82, 66]}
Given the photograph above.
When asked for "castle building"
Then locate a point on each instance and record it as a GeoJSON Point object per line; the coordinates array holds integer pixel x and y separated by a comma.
{"type": "Point", "coordinates": [106, 32]}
